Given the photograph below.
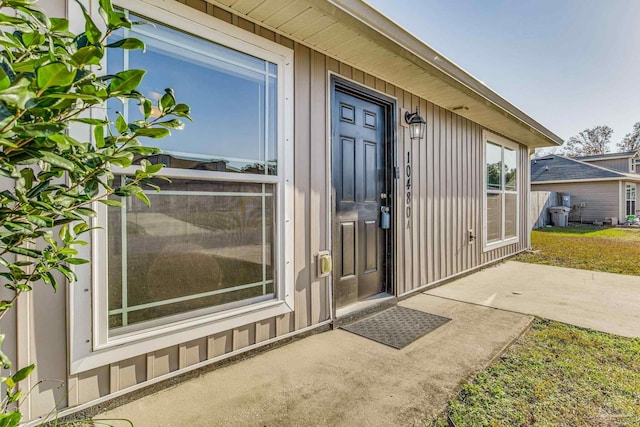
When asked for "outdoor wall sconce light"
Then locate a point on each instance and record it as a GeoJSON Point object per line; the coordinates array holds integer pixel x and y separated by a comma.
{"type": "Point", "coordinates": [416, 124]}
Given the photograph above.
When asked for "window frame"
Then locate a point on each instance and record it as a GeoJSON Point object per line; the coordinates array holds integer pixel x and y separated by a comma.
{"type": "Point", "coordinates": [630, 188]}
{"type": "Point", "coordinates": [490, 137]}
{"type": "Point", "coordinates": [90, 344]}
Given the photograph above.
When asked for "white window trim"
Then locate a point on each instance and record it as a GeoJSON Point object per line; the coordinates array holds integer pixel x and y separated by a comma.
{"type": "Point", "coordinates": [499, 140]}
{"type": "Point", "coordinates": [89, 346]}
{"type": "Point", "coordinates": [627, 186]}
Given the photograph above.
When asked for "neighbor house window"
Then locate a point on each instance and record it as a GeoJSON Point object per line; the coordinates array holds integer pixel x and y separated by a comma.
{"type": "Point", "coordinates": [631, 199]}
{"type": "Point", "coordinates": [501, 191]}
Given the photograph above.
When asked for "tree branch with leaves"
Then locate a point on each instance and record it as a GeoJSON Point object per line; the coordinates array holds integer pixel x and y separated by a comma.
{"type": "Point", "coordinates": [49, 80]}
{"type": "Point", "coordinates": [590, 141]}
{"type": "Point", "coordinates": [631, 141]}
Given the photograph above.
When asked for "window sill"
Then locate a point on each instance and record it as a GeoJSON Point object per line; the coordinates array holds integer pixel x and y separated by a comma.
{"type": "Point", "coordinates": [500, 244]}
{"type": "Point", "coordinates": [121, 348]}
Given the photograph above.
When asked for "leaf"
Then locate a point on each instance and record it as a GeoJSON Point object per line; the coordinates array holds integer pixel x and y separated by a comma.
{"type": "Point", "coordinates": [109, 202]}
{"type": "Point", "coordinates": [152, 132]}
{"type": "Point", "coordinates": [88, 55]}
{"type": "Point", "coordinates": [40, 221]}
{"type": "Point", "coordinates": [121, 124]}
{"type": "Point", "coordinates": [28, 177]}
{"type": "Point", "coordinates": [68, 251]}
{"type": "Point", "coordinates": [85, 212]}
{"type": "Point", "coordinates": [55, 160]}
{"type": "Point", "coordinates": [125, 81]}
{"type": "Point", "coordinates": [10, 419]}
{"type": "Point", "coordinates": [147, 107]}
{"type": "Point", "coordinates": [168, 100]}
{"type": "Point", "coordinates": [98, 135]}
{"type": "Point", "coordinates": [172, 124]}
{"type": "Point", "coordinates": [33, 253]}
{"type": "Point", "coordinates": [5, 81]}
{"type": "Point", "coordinates": [40, 129]}
{"type": "Point", "coordinates": [153, 169]}
{"type": "Point", "coordinates": [32, 38]}
{"type": "Point", "coordinates": [91, 31]}
{"type": "Point", "coordinates": [128, 43]}
{"type": "Point", "coordinates": [113, 18]}
{"type": "Point", "coordinates": [54, 74]}
{"type": "Point", "coordinates": [23, 373]}
{"type": "Point", "coordinates": [17, 94]}
{"type": "Point", "coordinates": [181, 108]}
{"type": "Point", "coordinates": [59, 25]}
{"type": "Point", "coordinates": [140, 195]}
{"type": "Point", "coordinates": [77, 261]}
{"type": "Point", "coordinates": [89, 121]}
{"type": "Point", "coordinates": [68, 273]}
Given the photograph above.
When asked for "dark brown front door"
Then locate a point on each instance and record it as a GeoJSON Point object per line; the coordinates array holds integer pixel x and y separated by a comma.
{"type": "Point", "coordinates": [359, 175]}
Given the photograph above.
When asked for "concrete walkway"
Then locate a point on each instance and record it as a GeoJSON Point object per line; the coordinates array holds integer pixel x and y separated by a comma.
{"type": "Point", "coordinates": [603, 301]}
{"type": "Point", "coordinates": [339, 379]}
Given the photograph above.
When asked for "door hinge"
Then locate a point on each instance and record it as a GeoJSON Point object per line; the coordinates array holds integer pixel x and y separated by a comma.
{"type": "Point", "coordinates": [396, 172]}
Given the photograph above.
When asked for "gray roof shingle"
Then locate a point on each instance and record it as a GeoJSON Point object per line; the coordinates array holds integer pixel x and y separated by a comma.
{"type": "Point", "coordinates": [557, 168]}
{"type": "Point", "coordinates": [607, 155]}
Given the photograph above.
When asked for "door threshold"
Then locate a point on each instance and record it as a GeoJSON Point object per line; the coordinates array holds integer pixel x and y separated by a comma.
{"type": "Point", "coordinates": [363, 308]}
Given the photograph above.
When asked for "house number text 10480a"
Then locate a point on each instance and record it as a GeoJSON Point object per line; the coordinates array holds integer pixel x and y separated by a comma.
{"type": "Point", "coordinates": [407, 172]}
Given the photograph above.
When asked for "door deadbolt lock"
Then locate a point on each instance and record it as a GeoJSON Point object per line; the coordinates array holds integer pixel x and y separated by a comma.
{"type": "Point", "coordinates": [383, 196]}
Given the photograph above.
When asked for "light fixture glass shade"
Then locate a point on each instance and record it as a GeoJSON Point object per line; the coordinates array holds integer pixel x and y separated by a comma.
{"type": "Point", "coordinates": [417, 125]}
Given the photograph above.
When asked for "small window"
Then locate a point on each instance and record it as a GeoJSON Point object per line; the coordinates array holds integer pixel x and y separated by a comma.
{"type": "Point", "coordinates": [501, 191]}
{"type": "Point", "coordinates": [631, 199]}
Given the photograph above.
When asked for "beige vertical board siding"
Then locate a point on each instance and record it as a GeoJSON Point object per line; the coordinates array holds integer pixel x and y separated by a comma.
{"type": "Point", "coordinates": [47, 329]}
{"type": "Point", "coordinates": [602, 199]}
{"type": "Point", "coordinates": [416, 209]}
{"type": "Point", "coordinates": [429, 169]}
{"type": "Point", "coordinates": [622, 165]}
{"type": "Point", "coordinates": [424, 195]}
{"type": "Point", "coordinates": [131, 372]}
{"type": "Point", "coordinates": [435, 166]}
{"type": "Point", "coordinates": [265, 329]}
{"type": "Point", "coordinates": [92, 385]}
{"type": "Point", "coordinates": [301, 179]}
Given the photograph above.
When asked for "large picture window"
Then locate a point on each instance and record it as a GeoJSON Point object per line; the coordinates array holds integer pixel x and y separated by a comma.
{"type": "Point", "coordinates": [501, 191]}
{"type": "Point", "coordinates": [206, 243]}
{"type": "Point", "coordinates": [214, 251]}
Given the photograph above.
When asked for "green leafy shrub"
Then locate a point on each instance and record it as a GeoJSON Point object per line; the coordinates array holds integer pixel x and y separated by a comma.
{"type": "Point", "coordinates": [50, 79]}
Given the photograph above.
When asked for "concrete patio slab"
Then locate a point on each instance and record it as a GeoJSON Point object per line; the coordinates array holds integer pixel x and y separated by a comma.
{"type": "Point", "coordinates": [338, 378]}
{"type": "Point", "coordinates": [602, 301]}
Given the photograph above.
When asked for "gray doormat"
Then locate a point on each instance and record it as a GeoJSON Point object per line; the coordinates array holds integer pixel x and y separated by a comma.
{"type": "Point", "coordinates": [396, 327]}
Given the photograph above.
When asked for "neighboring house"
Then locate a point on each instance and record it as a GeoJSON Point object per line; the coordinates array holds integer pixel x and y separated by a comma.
{"type": "Point", "coordinates": [597, 193]}
{"type": "Point", "coordinates": [622, 162]}
{"type": "Point", "coordinates": [300, 106]}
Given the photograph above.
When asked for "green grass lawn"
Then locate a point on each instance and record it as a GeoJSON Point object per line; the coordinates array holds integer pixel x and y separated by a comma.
{"type": "Point", "coordinates": [555, 375]}
{"type": "Point", "coordinates": [613, 250]}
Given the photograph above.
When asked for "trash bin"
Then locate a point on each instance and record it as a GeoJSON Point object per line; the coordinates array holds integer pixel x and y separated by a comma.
{"type": "Point", "coordinates": [559, 215]}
